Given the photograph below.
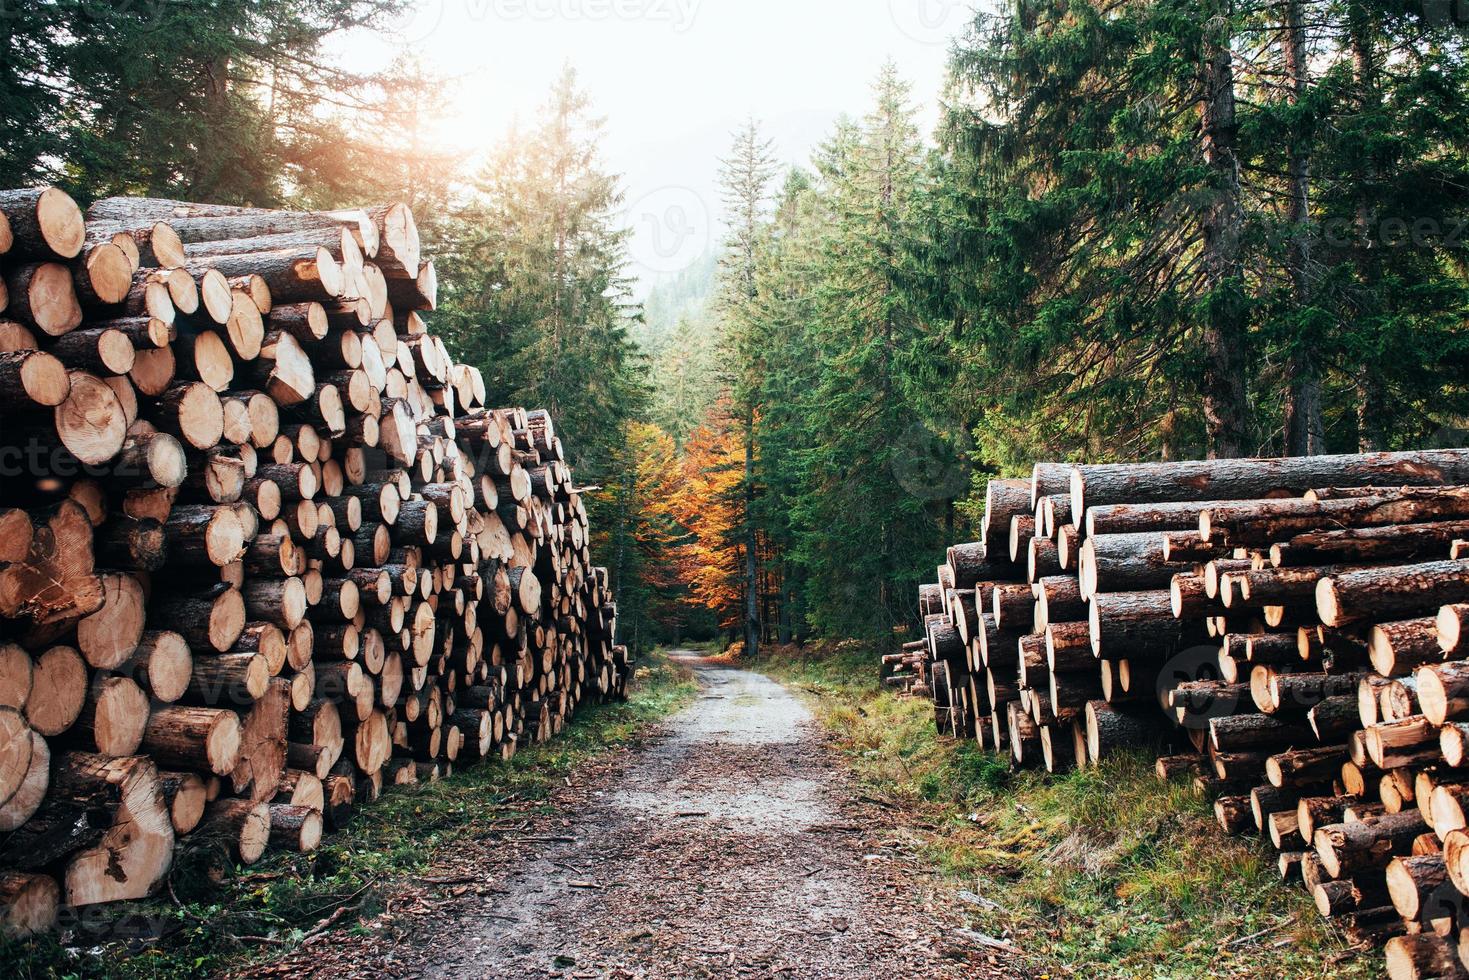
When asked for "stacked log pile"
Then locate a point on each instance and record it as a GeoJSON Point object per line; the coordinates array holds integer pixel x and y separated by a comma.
{"type": "Point", "coordinates": [1292, 635]}
{"type": "Point", "coordinates": [264, 551]}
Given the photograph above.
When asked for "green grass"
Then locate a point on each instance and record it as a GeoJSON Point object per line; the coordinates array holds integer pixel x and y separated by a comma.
{"type": "Point", "coordinates": [1105, 872]}
{"type": "Point", "coordinates": [221, 917]}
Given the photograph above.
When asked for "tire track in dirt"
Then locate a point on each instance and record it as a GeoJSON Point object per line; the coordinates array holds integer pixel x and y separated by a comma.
{"type": "Point", "coordinates": [731, 845]}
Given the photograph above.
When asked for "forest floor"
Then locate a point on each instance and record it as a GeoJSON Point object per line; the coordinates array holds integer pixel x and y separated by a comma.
{"type": "Point", "coordinates": [733, 843]}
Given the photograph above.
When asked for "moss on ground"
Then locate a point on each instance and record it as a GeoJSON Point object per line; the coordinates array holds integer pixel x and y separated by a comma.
{"type": "Point", "coordinates": [1105, 872]}
{"type": "Point", "coordinates": [219, 917]}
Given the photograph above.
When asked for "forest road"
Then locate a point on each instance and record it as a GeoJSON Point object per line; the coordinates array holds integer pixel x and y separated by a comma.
{"type": "Point", "coordinates": [729, 845]}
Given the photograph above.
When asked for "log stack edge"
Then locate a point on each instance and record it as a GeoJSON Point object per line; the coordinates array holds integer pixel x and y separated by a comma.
{"type": "Point", "coordinates": [264, 550]}
{"type": "Point", "coordinates": [1292, 635]}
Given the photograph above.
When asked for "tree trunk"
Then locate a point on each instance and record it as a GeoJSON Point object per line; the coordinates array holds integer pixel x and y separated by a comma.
{"type": "Point", "coordinates": [1305, 429]}
{"type": "Point", "coordinates": [752, 558]}
{"type": "Point", "coordinates": [1225, 401]}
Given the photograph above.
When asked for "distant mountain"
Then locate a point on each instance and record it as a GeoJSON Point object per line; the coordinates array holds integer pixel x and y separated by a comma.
{"type": "Point", "coordinates": [683, 296]}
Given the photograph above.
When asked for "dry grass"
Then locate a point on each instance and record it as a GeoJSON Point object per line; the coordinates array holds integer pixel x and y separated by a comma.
{"type": "Point", "coordinates": [1101, 873]}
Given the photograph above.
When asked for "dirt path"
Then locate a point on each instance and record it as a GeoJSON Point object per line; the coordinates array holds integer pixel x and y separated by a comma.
{"type": "Point", "coordinates": [732, 845]}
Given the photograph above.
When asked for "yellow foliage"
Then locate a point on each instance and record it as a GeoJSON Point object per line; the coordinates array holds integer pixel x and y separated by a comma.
{"type": "Point", "coordinates": [707, 504]}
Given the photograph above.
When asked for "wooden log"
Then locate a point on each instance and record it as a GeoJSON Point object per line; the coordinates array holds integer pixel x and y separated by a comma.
{"type": "Point", "coordinates": [1395, 743]}
{"type": "Point", "coordinates": [295, 828]}
{"type": "Point", "coordinates": [293, 275]}
{"type": "Point", "coordinates": [1443, 691]}
{"type": "Point", "coordinates": [134, 853]}
{"type": "Point", "coordinates": [1392, 590]}
{"type": "Point", "coordinates": [1422, 956]}
{"type": "Point", "coordinates": [192, 412]}
{"type": "Point", "coordinates": [1394, 543]}
{"type": "Point", "coordinates": [58, 691]}
{"type": "Point", "coordinates": [91, 422]}
{"type": "Point", "coordinates": [1333, 718]}
{"type": "Point", "coordinates": [1110, 729]}
{"type": "Point", "coordinates": [30, 379]}
{"type": "Point", "coordinates": [969, 566]}
{"type": "Point", "coordinates": [1262, 523]}
{"type": "Point", "coordinates": [242, 825]}
{"type": "Point", "coordinates": [1398, 648]}
{"type": "Point", "coordinates": [1233, 813]}
{"type": "Point", "coordinates": [42, 295]}
{"type": "Point", "coordinates": [208, 620]}
{"type": "Point", "coordinates": [1339, 897]}
{"type": "Point", "coordinates": [1126, 563]}
{"type": "Point", "coordinates": [40, 222]}
{"type": "Point", "coordinates": [102, 350]}
{"type": "Point", "coordinates": [1004, 499]}
{"type": "Point", "coordinates": [284, 371]}
{"type": "Point", "coordinates": [1318, 811]}
{"type": "Point", "coordinates": [1304, 767]}
{"type": "Point", "coordinates": [1252, 479]}
{"type": "Point", "coordinates": [113, 716]}
{"type": "Point", "coordinates": [108, 637]}
{"type": "Point", "coordinates": [262, 761]}
{"type": "Point", "coordinates": [1139, 623]}
{"type": "Point", "coordinates": [205, 739]}
{"type": "Point", "coordinates": [1242, 733]}
{"type": "Point", "coordinates": [29, 903]}
{"type": "Point", "coordinates": [1356, 846]}
{"type": "Point", "coordinates": [186, 796]}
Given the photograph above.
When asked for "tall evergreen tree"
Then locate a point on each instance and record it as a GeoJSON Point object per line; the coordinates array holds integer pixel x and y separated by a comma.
{"type": "Point", "coordinates": [536, 292]}
{"type": "Point", "coordinates": [229, 101]}
{"type": "Point", "coordinates": [745, 177]}
{"type": "Point", "coordinates": [536, 296]}
{"type": "Point", "coordinates": [866, 532]}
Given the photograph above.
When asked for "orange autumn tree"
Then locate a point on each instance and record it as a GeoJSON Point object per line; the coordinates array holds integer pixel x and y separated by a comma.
{"type": "Point", "coordinates": [643, 542]}
{"type": "Point", "coordinates": [708, 506]}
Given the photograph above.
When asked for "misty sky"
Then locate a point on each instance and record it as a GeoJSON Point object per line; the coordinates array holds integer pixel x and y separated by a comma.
{"type": "Point", "coordinates": [674, 78]}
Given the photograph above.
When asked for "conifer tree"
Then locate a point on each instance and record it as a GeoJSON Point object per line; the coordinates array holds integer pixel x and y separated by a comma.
{"type": "Point", "coordinates": [220, 102]}
{"type": "Point", "coordinates": [536, 292]}
{"type": "Point", "coordinates": [745, 177]}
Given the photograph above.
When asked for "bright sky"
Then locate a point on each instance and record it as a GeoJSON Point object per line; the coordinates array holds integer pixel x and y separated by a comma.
{"type": "Point", "coordinates": [674, 78]}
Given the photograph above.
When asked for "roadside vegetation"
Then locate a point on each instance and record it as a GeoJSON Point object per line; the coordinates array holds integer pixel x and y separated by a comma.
{"type": "Point", "coordinates": [216, 917]}
{"type": "Point", "coordinates": [1103, 872]}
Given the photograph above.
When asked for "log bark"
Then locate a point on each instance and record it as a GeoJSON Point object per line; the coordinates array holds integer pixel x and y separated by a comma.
{"type": "Point", "coordinates": [1266, 522]}
{"type": "Point", "coordinates": [1253, 479]}
{"type": "Point", "coordinates": [1126, 563]}
{"type": "Point", "coordinates": [202, 739]}
{"type": "Point", "coordinates": [1391, 591]}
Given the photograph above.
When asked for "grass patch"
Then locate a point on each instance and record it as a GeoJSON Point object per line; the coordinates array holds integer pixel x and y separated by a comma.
{"type": "Point", "coordinates": [1104, 872]}
{"type": "Point", "coordinates": [227, 917]}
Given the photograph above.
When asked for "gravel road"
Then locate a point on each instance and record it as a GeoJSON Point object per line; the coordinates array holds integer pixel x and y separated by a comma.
{"type": "Point", "coordinates": [729, 845]}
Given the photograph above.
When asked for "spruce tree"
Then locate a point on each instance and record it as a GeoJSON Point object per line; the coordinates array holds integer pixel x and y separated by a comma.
{"type": "Point", "coordinates": [745, 177]}
{"type": "Point", "coordinates": [218, 102]}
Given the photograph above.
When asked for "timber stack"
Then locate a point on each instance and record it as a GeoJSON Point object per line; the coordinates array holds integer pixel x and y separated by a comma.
{"type": "Point", "coordinates": [264, 551]}
{"type": "Point", "coordinates": [1291, 635]}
